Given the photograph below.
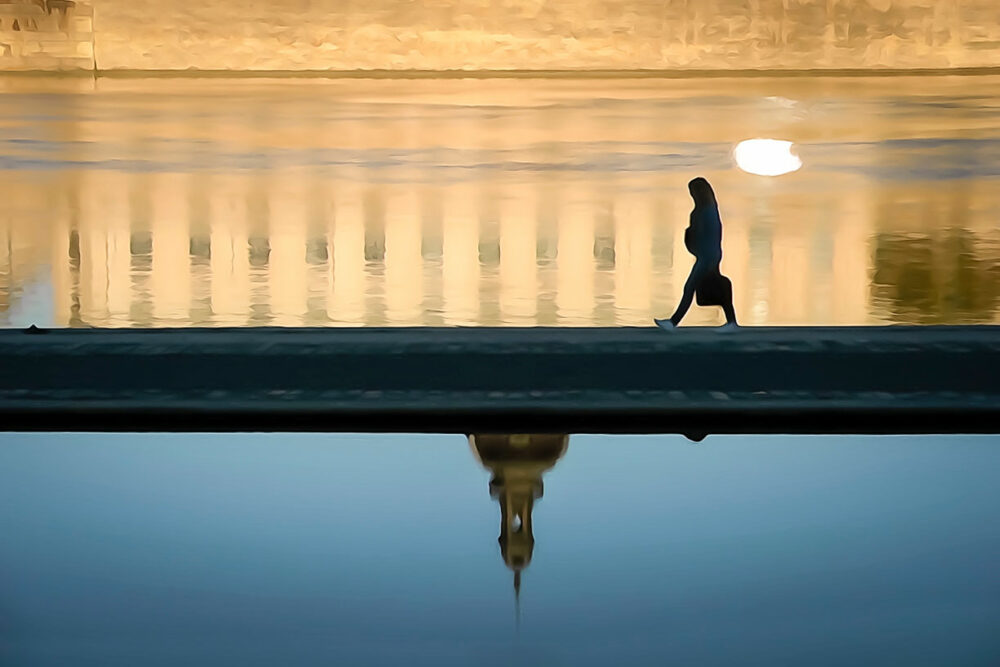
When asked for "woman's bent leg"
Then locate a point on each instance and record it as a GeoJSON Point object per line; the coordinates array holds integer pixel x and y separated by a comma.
{"type": "Point", "coordinates": [698, 272]}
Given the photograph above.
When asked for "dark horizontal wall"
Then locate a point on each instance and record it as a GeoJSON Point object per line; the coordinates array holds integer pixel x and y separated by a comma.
{"type": "Point", "coordinates": [562, 380]}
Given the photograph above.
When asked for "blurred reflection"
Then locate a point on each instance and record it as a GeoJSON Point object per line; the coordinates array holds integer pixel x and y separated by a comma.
{"type": "Point", "coordinates": [519, 203]}
{"type": "Point", "coordinates": [517, 462]}
{"type": "Point", "coordinates": [937, 278]}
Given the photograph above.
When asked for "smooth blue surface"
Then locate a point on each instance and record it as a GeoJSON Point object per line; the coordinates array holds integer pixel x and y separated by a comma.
{"type": "Point", "coordinates": [249, 549]}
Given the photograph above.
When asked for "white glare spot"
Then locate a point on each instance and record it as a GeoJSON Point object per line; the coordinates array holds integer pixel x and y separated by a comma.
{"type": "Point", "coordinates": [766, 157]}
{"type": "Point", "coordinates": [516, 523]}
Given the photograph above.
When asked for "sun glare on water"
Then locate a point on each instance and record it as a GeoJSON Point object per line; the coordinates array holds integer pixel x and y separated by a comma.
{"type": "Point", "coordinates": [766, 157]}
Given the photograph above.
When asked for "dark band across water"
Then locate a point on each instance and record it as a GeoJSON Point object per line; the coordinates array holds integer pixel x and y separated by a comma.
{"type": "Point", "coordinates": [693, 381]}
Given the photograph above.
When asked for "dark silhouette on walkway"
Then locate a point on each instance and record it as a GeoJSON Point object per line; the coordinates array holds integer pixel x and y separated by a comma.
{"type": "Point", "coordinates": [703, 239]}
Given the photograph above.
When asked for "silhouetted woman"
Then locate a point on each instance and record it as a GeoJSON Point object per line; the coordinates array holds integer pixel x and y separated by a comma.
{"type": "Point", "coordinates": [703, 239]}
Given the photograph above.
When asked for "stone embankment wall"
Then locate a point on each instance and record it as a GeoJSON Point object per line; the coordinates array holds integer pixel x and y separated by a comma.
{"type": "Point", "coordinates": [508, 34]}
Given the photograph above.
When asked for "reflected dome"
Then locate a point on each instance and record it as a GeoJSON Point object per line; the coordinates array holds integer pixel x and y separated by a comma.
{"type": "Point", "coordinates": [766, 157]}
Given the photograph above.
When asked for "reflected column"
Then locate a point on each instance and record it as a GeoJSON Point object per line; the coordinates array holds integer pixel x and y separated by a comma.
{"type": "Point", "coordinates": [633, 260]}
{"type": "Point", "coordinates": [170, 277]}
{"type": "Point", "coordinates": [575, 260]}
{"type": "Point", "coordinates": [790, 275]}
{"type": "Point", "coordinates": [105, 258]}
{"type": "Point", "coordinates": [346, 301]}
{"type": "Point", "coordinates": [119, 217]}
{"type": "Point", "coordinates": [287, 239]}
{"type": "Point", "coordinates": [404, 283]}
{"type": "Point", "coordinates": [460, 256]}
{"type": "Point", "coordinates": [230, 249]}
{"type": "Point", "coordinates": [62, 272]}
{"type": "Point", "coordinates": [518, 268]}
{"type": "Point", "coordinates": [93, 245]}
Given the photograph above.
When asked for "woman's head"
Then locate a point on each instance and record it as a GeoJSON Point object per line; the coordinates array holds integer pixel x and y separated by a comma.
{"type": "Point", "coordinates": [701, 192]}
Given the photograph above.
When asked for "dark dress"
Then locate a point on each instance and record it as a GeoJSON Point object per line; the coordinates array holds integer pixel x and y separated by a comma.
{"type": "Point", "coordinates": [714, 289]}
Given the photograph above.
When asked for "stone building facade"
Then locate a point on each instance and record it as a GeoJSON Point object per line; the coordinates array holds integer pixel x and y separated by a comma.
{"type": "Point", "coordinates": [46, 35]}
{"type": "Point", "coordinates": [299, 35]}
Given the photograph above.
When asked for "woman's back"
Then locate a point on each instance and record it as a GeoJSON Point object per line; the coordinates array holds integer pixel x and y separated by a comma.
{"type": "Point", "coordinates": [703, 238]}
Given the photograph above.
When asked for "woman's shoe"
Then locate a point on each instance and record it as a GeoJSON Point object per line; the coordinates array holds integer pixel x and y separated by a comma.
{"type": "Point", "coordinates": [666, 325]}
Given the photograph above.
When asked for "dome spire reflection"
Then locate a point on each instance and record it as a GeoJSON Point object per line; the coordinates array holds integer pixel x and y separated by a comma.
{"type": "Point", "coordinates": [517, 462]}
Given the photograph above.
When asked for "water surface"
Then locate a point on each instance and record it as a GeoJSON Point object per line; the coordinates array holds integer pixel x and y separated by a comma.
{"type": "Point", "coordinates": [214, 202]}
{"type": "Point", "coordinates": [251, 549]}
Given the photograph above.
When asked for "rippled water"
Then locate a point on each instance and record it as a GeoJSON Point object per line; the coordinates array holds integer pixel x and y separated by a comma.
{"type": "Point", "coordinates": [251, 549]}
{"type": "Point", "coordinates": [214, 202]}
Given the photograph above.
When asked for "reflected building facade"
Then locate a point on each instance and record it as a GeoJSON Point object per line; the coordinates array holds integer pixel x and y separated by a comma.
{"type": "Point", "coordinates": [475, 203]}
{"type": "Point", "coordinates": [192, 254]}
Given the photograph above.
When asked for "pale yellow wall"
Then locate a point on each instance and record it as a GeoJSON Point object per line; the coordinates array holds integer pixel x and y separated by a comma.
{"type": "Point", "coordinates": [498, 34]}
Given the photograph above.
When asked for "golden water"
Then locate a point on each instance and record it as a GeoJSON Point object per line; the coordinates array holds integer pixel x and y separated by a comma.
{"type": "Point", "coordinates": [214, 202]}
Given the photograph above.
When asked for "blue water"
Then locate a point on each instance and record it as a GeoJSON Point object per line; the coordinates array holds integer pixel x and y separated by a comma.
{"type": "Point", "coordinates": [251, 549]}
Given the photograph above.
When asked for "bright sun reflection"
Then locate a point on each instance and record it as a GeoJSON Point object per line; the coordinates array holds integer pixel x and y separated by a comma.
{"type": "Point", "coordinates": [766, 157]}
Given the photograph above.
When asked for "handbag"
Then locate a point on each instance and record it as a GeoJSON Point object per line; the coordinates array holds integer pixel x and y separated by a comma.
{"type": "Point", "coordinates": [714, 290]}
